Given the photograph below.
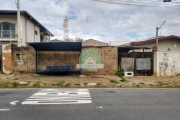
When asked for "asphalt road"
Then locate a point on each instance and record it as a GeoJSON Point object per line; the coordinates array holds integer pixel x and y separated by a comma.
{"type": "Point", "coordinates": [107, 104]}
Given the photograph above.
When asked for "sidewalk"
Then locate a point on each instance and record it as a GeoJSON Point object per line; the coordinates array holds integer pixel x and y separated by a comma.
{"type": "Point", "coordinates": [77, 81]}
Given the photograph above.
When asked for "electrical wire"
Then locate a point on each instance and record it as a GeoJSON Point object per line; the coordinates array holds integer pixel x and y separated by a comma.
{"type": "Point", "coordinates": [145, 1]}
{"type": "Point", "coordinates": [170, 25]}
{"type": "Point", "coordinates": [136, 4]}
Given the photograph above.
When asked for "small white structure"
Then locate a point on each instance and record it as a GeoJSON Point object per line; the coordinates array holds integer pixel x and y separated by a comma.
{"type": "Point", "coordinates": [128, 74]}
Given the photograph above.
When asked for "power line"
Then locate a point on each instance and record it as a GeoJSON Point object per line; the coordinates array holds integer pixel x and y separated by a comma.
{"type": "Point", "coordinates": [136, 4]}
{"type": "Point", "coordinates": [145, 1]}
{"type": "Point", "coordinates": [171, 25]}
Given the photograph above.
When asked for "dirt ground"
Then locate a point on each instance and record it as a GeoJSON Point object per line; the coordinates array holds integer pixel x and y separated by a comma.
{"type": "Point", "coordinates": [45, 81]}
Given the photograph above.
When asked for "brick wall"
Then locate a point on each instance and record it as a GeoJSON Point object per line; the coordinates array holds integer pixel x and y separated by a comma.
{"type": "Point", "coordinates": [109, 58]}
{"type": "Point", "coordinates": [6, 58]}
{"type": "Point", "coordinates": [27, 59]}
{"type": "Point", "coordinates": [26, 62]}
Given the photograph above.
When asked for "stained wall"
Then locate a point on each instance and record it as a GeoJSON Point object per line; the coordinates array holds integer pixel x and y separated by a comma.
{"type": "Point", "coordinates": [168, 63]}
{"type": "Point", "coordinates": [26, 62]}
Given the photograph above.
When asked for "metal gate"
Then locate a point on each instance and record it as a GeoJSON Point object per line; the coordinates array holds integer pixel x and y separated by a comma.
{"type": "Point", "coordinates": [140, 60]}
{"type": "Point", "coordinates": [0, 57]}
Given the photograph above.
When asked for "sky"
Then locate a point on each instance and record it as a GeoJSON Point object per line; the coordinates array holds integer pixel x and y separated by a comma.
{"type": "Point", "coordinates": [103, 21]}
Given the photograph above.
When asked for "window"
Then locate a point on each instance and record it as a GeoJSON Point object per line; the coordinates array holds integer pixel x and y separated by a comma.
{"type": "Point", "coordinates": [36, 33]}
{"type": "Point", "coordinates": [7, 30]}
{"type": "Point", "coordinates": [18, 57]}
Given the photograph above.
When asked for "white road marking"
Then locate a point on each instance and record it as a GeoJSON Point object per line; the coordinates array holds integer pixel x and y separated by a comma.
{"type": "Point", "coordinates": [59, 96]}
{"type": "Point", "coordinates": [4, 109]}
{"type": "Point", "coordinates": [13, 102]}
{"type": "Point", "coordinates": [100, 107]}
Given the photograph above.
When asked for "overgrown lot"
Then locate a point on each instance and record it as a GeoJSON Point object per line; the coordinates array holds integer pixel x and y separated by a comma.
{"type": "Point", "coordinates": [77, 81]}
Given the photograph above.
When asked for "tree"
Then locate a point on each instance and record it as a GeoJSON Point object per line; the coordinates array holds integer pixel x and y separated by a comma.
{"type": "Point", "coordinates": [68, 40]}
{"type": "Point", "coordinates": [78, 39]}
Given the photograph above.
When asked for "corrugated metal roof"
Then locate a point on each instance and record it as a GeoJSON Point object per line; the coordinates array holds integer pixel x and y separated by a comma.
{"type": "Point", "coordinates": [56, 46]}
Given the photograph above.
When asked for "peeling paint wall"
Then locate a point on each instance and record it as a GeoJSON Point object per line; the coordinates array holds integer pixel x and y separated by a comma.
{"type": "Point", "coordinates": [168, 63]}
{"type": "Point", "coordinates": [6, 58]}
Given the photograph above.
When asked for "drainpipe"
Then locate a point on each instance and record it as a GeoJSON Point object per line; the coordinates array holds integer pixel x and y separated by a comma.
{"type": "Point", "coordinates": [34, 33]}
{"type": "Point", "coordinates": [26, 29]}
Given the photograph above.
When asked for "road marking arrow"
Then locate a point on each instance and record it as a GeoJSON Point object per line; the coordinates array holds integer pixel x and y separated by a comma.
{"type": "Point", "coordinates": [13, 102]}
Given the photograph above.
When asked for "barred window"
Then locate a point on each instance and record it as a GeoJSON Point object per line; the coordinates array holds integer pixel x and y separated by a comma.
{"type": "Point", "coordinates": [7, 30]}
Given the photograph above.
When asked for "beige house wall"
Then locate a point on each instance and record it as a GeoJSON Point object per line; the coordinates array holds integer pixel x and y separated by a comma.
{"type": "Point", "coordinates": [11, 19]}
{"type": "Point", "coordinates": [164, 45]}
{"type": "Point", "coordinates": [27, 29]}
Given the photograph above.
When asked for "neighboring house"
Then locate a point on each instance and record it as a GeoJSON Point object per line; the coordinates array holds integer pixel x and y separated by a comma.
{"type": "Point", "coordinates": [119, 43]}
{"type": "Point", "coordinates": [31, 29]}
{"type": "Point", "coordinates": [166, 59]}
{"type": "Point", "coordinates": [92, 42]}
{"type": "Point", "coordinates": [166, 43]}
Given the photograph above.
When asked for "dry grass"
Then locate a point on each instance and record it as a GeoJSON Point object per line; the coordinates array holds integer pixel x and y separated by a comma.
{"type": "Point", "coordinates": [82, 81]}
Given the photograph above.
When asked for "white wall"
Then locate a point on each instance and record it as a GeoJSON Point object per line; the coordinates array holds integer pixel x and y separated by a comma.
{"type": "Point", "coordinates": [168, 63]}
{"type": "Point", "coordinates": [27, 30]}
{"type": "Point", "coordinates": [8, 18]}
{"type": "Point", "coordinates": [163, 45]}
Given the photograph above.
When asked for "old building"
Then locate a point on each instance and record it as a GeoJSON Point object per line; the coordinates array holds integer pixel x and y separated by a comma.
{"type": "Point", "coordinates": [31, 31]}
{"type": "Point", "coordinates": [166, 57]}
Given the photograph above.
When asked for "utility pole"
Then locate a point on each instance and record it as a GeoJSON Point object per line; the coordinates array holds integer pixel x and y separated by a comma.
{"type": "Point", "coordinates": [19, 23]}
{"type": "Point", "coordinates": [157, 30]}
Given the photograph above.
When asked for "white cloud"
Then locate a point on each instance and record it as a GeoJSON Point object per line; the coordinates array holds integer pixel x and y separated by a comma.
{"type": "Point", "coordinates": [102, 21]}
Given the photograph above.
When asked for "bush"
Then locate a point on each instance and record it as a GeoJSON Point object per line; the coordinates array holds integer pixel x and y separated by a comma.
{"type": "Point", "coordinates": [37, 84]}
{"type": "Point", "coordinates": [78, 84]}
{"type": "Point", "coordinates": [67, 85]}
{"type": "Point", "coordinates": [61, 83]}
{"type": "Point", "coordinates": [160, 83]}
{"type": "Point", "coordinates": [28, 82]}
{"type": "Point", "coordinates": [120, 72]}
{"type": "Point", "coordinates": [98, 84]}
{"type": "Point", "coordinates": [85, 83]}
{"type": "Point", "coordinates": [114, 81]}
{"type": "Point", "coordinates": [15, 79]}
{"type": "Point", "coordinates": [15, 84]}
{"type": "Point", "coordinates": [6, 84]}
{"type": "Point", "coordinates": [142, 83]}
{"type": "Point", "coordinates": [122, 79]}
{"type": "Point", "coordinates": [44, 84]}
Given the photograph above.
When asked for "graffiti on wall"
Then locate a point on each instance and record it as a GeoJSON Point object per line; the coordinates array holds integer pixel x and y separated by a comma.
{"type": "Point", "coordinates": [169, 64]}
